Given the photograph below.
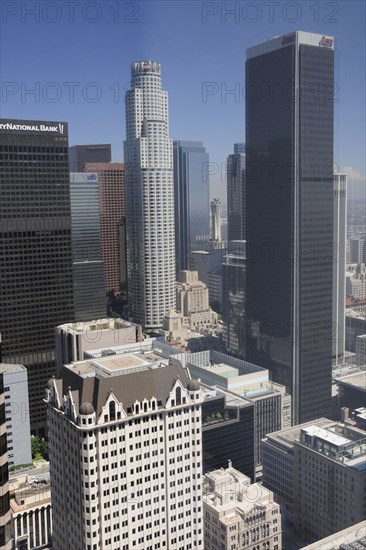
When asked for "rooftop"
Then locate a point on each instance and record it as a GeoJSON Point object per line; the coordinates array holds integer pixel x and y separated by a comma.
{"type": "Point", "coordinates": [356, 380]}
{"type": "Point", "coordinates": [8, 367]}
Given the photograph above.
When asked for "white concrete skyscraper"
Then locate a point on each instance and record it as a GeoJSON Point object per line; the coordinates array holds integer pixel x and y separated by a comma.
{"type": "Point", "coordinates": [149, 197]}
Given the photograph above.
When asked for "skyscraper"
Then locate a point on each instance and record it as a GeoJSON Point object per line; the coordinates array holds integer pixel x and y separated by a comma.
{"type": "Point", "coordinates": [111, 177]}
{"type": "Point", "coordinates": [35, 249]}
{"type": "Point", "coordinates": [5, 525]}
{"type": "Point", "coordinates": [88, 266]}
{"type": "Point", "coordinates": [289, 210]}
{"type": "Point", "coordinates": [339, 266]}
{"type": "Point", "coordinates": [149, 197]}
{"type": "Point", "coordinates": [191, 199]}
{"type": "Point", "coordinates": [235, 175]}
{"type": "Point", "coordinates": [125, 463]}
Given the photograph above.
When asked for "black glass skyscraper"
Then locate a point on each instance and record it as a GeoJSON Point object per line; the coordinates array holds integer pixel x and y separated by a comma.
{"type": "Point", "coordinates": [289, 186]}
{"type": "Point", "coordinates": [36, 292]}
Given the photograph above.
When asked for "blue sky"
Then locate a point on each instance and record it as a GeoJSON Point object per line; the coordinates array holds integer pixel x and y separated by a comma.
{"type": "Point", "coordinates": [76, 56]}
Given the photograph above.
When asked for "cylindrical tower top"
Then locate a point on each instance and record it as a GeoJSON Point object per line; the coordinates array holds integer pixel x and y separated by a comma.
{"type": "Point", "coordinates": [145, 67]}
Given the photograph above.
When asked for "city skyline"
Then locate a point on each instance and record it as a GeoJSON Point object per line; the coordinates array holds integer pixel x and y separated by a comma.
{"type": "Point", "coordinates": [89, 93]}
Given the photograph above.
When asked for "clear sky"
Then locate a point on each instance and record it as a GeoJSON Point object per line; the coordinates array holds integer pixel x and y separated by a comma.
{"type": "Point", "coordinates": [75, 55]}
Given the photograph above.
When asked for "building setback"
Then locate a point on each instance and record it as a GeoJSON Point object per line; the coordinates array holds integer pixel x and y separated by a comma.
{"type": "Point", "coordinates": [289, 216]}
{"type": "Point", "coordinates": [35, 249]}
{"type": "Point", "coordinates": [112, 210]}
{"type": "Point", "coordinates": [88, 266]}
{"type": "Point", "coordinates": [149, 198]}
{"type": "Point", "coordinates": [125, 455]}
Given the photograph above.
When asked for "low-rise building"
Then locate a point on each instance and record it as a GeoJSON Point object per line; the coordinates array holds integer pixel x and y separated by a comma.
{"type": "Point", "coordinates": [239, 515]}
{"type": "Point", "coordinates": [352, 538]}
{"type": "Point", "coordinates": [30, 504]}
{"type": "Point", "coordinates": [17, 413]}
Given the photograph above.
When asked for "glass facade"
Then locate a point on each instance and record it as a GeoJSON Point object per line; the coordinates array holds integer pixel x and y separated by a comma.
{"type": "Point", "coordinates": [289, 199]}
{"type": "Point", "coordinates": [35, 249]}
{"type": "Point", "coordinates": [235, 170]}
{"type": "Point", "coordinates": [88, 267]}
{"type": "Point", "coordinates": [191, 199]}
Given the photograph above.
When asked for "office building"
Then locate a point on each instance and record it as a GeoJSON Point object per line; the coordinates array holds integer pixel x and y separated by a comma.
{"type": "Point", "coordinates": [35, 249]}
{"type": "Point", "coordinates": [356, 250]}
{"type": "Point", "coordinates": [247, 382]}
{"type": "Point", "coordinates": [356, 283]}
{"type": "Point", "coordinates": [235, 170]}
{"type": "Point", "coordinates": [317, 470]}
{"type": "Point", "coordinates": [216, 220]}
{"type": "Point", "coordinates": [355, 326]}
{"type": "Point", "coordinates": [361, 349]}
{"type": "Point", "coordinates": [229, 419]}
{"type": "Point", "coordinates": [191, 199]}
{"type": "Point", "coordinates": [111, 178]}
{"type": "Point", "coordinates": [339, 266]}
{"type": "Point", "coordinates": [30, 504]}
{"type": "Point", "coordinates": [79, 155]}
{"type": "Point", "coordinates": [17, 413]}
{"type": "Point", "coordinates": [125, 449]}
{"type": "Point", "coordinates": [289, 216]}
{"type": "Point", "coordinates": [88, 266]}
{"type": "Point", "coordinates": [351, 538]}
{"type": "Point", "coordinates": [237, 514]}
{"type": "Point", "coordinates": [352, 389]}
{"type": "Point", "coordinates": [208, 263]}
{"type": "Point", "coordinates": [5, 528]}
{"type": "Point", "coordinates": [193, 302]}
{"type": "Point", "coordinates": [233, 299]}
{"type": "Point", "coordinates": [73, 340]}
{"type": "Point", "coordinates": [149, 198]}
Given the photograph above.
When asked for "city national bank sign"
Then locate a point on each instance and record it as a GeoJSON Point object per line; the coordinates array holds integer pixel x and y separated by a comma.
{"type": "Point", "coordinates": [54, 128]}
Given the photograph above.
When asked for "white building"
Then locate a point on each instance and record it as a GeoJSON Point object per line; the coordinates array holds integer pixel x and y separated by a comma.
{"type": "Point", "coordinates": [356, 282]}
{"type": "Point", "coordinates": [73, 340]}
{"type": "Point", "coordinates": [125, 455]}
{"type": "Point", "coordinates": [17, 413]}
{"type": "Point", "coordinates": [239, 515]}
{"type": "Point", "coordinates": [149, 197]}
{"type": "Point", "coordinates": [30, 505]}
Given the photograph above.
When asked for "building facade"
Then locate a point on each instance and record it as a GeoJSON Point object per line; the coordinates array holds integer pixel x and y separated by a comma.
{"type": "Point", "coordinates": [317, 470]}
{"type": "Point", "coordinates": [30, 503]}
{"type": "Point", "coordinates": [191, 199]}
{"type": "Point", "coordinates": [339, 266]}
{"type": "Point", "coordinates": [289, 216]}
{"type": "Point", "coordinates": [235, 174]}
{"type": "Point", "coordinates": [5, 528]}
{"type": "Point", "coordinates": [125, 455]}
{"type": "Point", "coordinates": [73, 340]}
{"type": "Point", "coordinates": [35, 249]}
{"type": "Point", "coordinates": [149, 198]}
{"type": "Point", "coordinates": [79, 155]}
{"type": "Point", "coordinates": [233, 299]}
{"type": "Point", "coordinates": [239, 515]}
{"type": "Point", "coordinates": [17, 413]}
{"type": "Point", "coordinates": [193, 301]}
{"type": "Point", "coordinates": [88, 265]}
{"type": "Point", "coordinates": [111, 177]}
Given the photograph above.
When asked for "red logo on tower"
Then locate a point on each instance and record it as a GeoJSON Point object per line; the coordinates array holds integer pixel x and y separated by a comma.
{"type": "Point", "coordinates": [326, 42]}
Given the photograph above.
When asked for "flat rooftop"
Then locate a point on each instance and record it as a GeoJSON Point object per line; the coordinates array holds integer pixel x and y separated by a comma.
{"type": "Point", "coordinates": [355, 380]}
{"type": "Point", "coordinates": [114, 365]}
{"type": "Point", "coordinates": [96, 325]}
{"type": "Point", "coordinates": [327, 435]}
{"type": "Point", "coordinates": [9, 367]}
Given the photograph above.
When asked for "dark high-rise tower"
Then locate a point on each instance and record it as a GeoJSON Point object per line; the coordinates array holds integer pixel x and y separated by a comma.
{"type": "Point", "coordinates": [36, 293]}
{"type": "Point", "coordinates": [289, 209]}
{"type": "Point", "coordinates": [81, 154]}
{"type": "Point", "coordinates": [235, 168]}
{"type": "Point", "coordinates": [191, 199]}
